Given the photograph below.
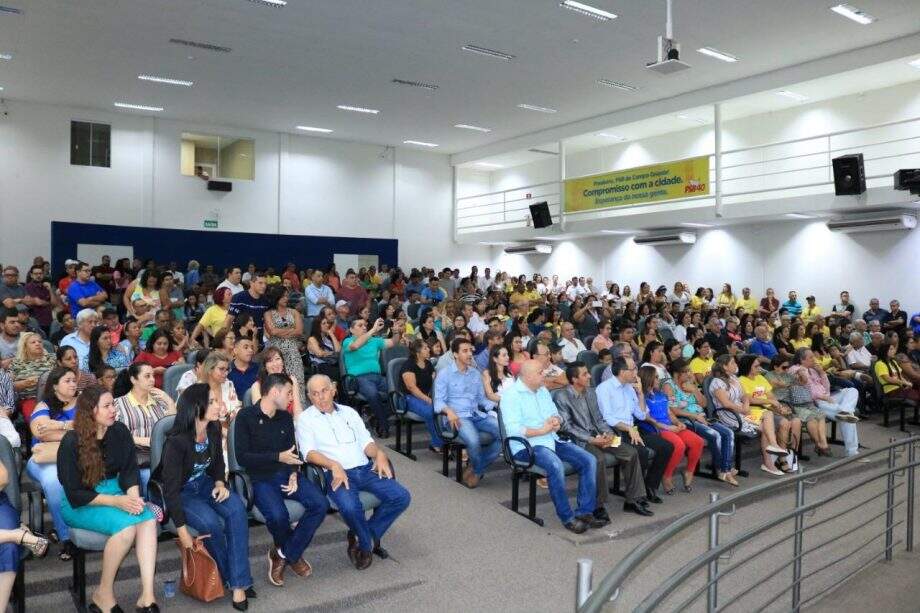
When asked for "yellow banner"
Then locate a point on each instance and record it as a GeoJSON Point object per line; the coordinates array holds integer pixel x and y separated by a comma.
{"type": "Point", "coordinates": [654, 183]}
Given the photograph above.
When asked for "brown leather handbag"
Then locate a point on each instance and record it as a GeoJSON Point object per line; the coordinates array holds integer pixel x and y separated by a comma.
{"type": "Point", "coordinates": [200, 576]}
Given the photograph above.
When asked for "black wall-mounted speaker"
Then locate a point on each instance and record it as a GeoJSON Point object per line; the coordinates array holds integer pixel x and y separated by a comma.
{"type": "Point", "coordinates": [220, 186]}
{"type": "Point", "coordinates": [849, 175]}
{"type": "Point", "coordinates": [539, 212]}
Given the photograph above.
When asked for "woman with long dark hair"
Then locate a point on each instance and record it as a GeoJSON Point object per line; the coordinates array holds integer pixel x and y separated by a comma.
{"type": "Point", "coordinates": [284, 329]}
{"type": "Point", "coordinates": [271, 362]}
{"type": "Point", "coordinates": [102, 352]}
{"type": "Point", "coordinates": [417, 381]}
{"type": "Point", "coordinates": [498, 374]}
{"type": "Point", "coordinates": [324, 348]}
{"type": "Point", "coordinates": [192, 472]}
{"type": "Point", "coordinates": [98, 471]}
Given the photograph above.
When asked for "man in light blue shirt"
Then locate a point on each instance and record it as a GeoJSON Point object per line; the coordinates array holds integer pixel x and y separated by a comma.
{"type": "Point", "coordinates": [433, 294]}
{"type": "Point", "coordinates": [529, 412]}
{"type": "Point", "coordinates": [620, 401]}
{"type": "Point", "coordinates": [459, 395]}
{"type": "Point", "coordinates": [792, 306]}
{"type": "Point", "coordinates": [318, 295]}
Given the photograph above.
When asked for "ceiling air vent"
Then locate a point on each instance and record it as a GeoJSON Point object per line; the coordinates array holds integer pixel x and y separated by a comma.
{"type": "Point", "coordinates": [527, 249]}
{"type": "Point", "coordinates": [428, 86]}
{"type": "Point", "coordinates": [670, 238]}
{"type": "Point", "coordinates": [544, 151]}
{"type": "Point", "coordinates": [875, 223]}
{"type": "Point", "coordinates": [10, 9]}
{"type": "Point", "coordinates": [197, 45]}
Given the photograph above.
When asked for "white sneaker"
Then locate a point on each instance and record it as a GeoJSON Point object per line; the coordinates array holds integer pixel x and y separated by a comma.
{"type": "Point", "coordinates": [847, 418]}
{"type": "Point", "coordinates": [772, 471]}
{"type": "Point", "coordinates": [776, 450]}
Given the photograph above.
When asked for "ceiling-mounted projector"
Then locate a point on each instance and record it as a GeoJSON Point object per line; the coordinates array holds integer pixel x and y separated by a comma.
{"type": "Point", "coordinates": [669, 60]}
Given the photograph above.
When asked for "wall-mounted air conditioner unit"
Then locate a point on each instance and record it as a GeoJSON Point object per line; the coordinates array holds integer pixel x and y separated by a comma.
{"type": "Point", "coordinates": [526, 249]}
{"type": "Point", "coordinates": [669, 238]}
{"type": "Point", "coordinates": [874, 223]}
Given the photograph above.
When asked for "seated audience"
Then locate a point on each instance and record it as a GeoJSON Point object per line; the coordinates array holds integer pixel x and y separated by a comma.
{"type": "Point", "coordinates": [243, 370]}
{"type": "Point", "coordinates": [334, 437]}
{"type": "Point", "coordinates": [416, 380]}
{"type": "Point", "coordinates": [14, 538]}
{"type": "Point", "coordinates": [792, 391]}
{"type": "Point", "coordinates": [87, 320]}
{"type": "Point", "coordinates": [30, 363]}
{"type": "Point", "coordinates": [362, 361]}
{"type": "Point", "coordinates": [762, 345]}
{"type": "Point", "coordinates": [603, 339]}
{"type": "Point", "coordinates": [890, 374]}
{"type": "Point", "coordinates": [323, 347]}
{"type": "Point", "coordinates": [265, 447]}
{"type": "Point", "coordinates": [702, 362]}
{"type": "Point", "coordinates": [160, 355]}
{"type": "Point", "coordinates": [51, 420]}
{"type": "Point", "coordinates": [528, 412]}
{"type": "Point", "coordinates": [215, 317]}
{"type": "Point", "coordinates": [571, 345]}
{"type": "Point", "coordinates": [130, 344]}
{"type": "Point", "coordinates": [583, 424]}
{"type": "Point", "coordinates": [759, 392]}
{"type": "Point", "coordinates": [99, 476]}
{"type": "Point", "coordinates": [272, 363]}
{"type": "Point", "coordinates": [497, 376]}
{"type": "Point", "coordinates": [622, 403]}
{"type": "Point", "coordinates": [139, 405]}
{"type": "Point", "coordinates": [192, 472]}
{"type": "Point", "coordinates": [66, 325]}
{"type": "Point", "coordinates": [102, 351]}
{"type": "Point", "coordinates": [460, 397]}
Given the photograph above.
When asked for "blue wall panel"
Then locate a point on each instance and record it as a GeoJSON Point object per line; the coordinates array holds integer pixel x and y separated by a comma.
{"type": "Point", "coordinates": [221, 249]}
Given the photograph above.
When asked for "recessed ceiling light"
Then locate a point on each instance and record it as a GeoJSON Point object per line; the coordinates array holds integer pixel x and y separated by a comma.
{"type": "Point", "coordinates": [691, 224]}
{"type": "Point", "coordinates": [312, 129]}
{"type": "Point", "coordinates": [464, 126]}
{"type": "Point", "coordinates": [199, 45]}
{"type": "Point", "coordinates": [613, 136]}
{"type": "Point", "coordinates": [626, 87]}
{"type": "Point", "coordinates": [419, 143]}
{"type": "Point", "coordinates": [357, 109]}
{"type": "Point", "coordinates": [851, 12]}
{"type": "Point", "coordinates": [166, 80]}
{"type": "Point", "coordinates": [915, 63]}
{"type": "Point", "coordinates": [429, 86]}
{"type": "Point", "coordinates": [6, 56]}
{"type": "Point", "coordinates": [138, 107]}
{"type": "Point", "coordinates": [618, 231]}
{"type": "Point", "coordinates": [539, 109]}
{"type": "Point", "coordinates": [274, 3]}
{"type": "Point", "coordinates": [1, 89]}
{"type": "Point", "coordinates": [587, 9]}
{"type": "Point", "coordinates": [501, 55]}
{"type": "Point", "coordinates": [799, 216]}
{"type": "Point", "coordinates": [719, 55]}
{"type": "Point", "coordinates": [689, 118]}
{"type": "Point", "coordinates": [488, 165]}
{"type": "Point", "coordinates": [785, 93]}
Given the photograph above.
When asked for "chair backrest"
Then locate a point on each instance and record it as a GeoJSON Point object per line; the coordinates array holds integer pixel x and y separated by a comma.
{"type": "Point", "coordinates": [596, 371]}
{"type": "Point", "coordinates": [171, 378]}
{"type": "Point", "coordinates": [247, 397]}
{"type": "Point", "coordinates": [665, 333]}
{"type": "Point", "coordinates": [40, 390]}
{"type": "Point", "coordinates": [232, 464]}
{"type": "Point", "coordinates": [413, 310]}
{"type": "Point", "coordinates": [397, 399]}
{"type": "Point", "coordinates": [190, 356]}
{"type": "Point", "coordinates": [710, 407]}
{"type": "Point", "coordinates": [49, 346]}
{"type": "Point", "coordinates": [589, 358]}
{"type": "Point", "coordinates": [391, 353]}
{"type": "Point", "coordinates": [588, 341]}
{"type": "Point", "coordinates": [503, 434]}
{"type": "Point", "coordinates": [8, 458]}
{"type": "Point", "coordinates": [158, 439]}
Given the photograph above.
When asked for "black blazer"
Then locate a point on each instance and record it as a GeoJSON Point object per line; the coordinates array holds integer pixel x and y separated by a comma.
{"type": "Point", "coordinates": [175, 467]}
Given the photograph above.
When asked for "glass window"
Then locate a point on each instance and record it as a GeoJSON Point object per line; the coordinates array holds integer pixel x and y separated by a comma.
{"type": "Point", "coordinates": [90, 144]}
{"type": "Point", "coordinates": [217, 157]}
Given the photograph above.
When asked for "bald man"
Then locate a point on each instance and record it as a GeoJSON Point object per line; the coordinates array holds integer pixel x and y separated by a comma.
{"type": "Point", "coordinates": [528, 411]}
{"type": "Point", "coordinates": [334, 437]}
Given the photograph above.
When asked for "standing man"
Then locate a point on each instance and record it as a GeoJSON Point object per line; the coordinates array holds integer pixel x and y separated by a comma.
{"type": "Point", "coordinates": [104, 275]}
{"type": "Point", "coordinates": [460, 396]}
{"type": "Point", "coordinates": [12, 292]}
{"type": "Point", "coordinates": [84, 293]}
{"type": "Point", "coordinates": [583, 423]}
{"type": "Point", "coordinates": [746, 303]}
{"type": "Point", "coordinates": [232, 282]}
{"type": "Point", "coordinates": [318, 294]}
{"type": "Point", "coordinates": [43, 299]}
{"type": "Point", "coordinates": [265, 447]}
{"type": "Point", "coordinates": [433, 294]}
{"type": "Point", "coordinates": [528, 411]}
{"type": "Point", "coordinates": [9, 337]}
{"type": "Point", "coordinates": [874, 312]}
{"type": "Point", "coordinates": [844, 309]}
{"type": "Point", "coordinates": [334, 437]}
{"type": "Point", "coordinates": [793, 306]}
{"type": "Point", "coordinates": [352, 292]}
{"type": "Point", "coordinates": [622, 402]}
{"type": "Point", "coordinates": [251, 301]}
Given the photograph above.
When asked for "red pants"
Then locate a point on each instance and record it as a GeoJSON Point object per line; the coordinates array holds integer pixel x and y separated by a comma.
{"type": "Point", "coordinates": [684, 441]}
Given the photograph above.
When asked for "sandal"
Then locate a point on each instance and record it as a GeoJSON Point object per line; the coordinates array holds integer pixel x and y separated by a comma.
{"type": "Point", "coordinates": [729, 479]}
{"type": "Point", "coordinates": [66, 553]}
{"type": "Point", "coordinates": [38, 547]}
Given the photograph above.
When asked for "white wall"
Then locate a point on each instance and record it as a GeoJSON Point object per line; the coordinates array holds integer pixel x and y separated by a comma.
{"type": "Point", "coordinates": [806, 257]}
{"type": "Point", "coordinates": [302, 185]}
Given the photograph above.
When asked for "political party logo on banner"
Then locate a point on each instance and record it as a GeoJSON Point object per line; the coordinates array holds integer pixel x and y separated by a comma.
{"type": "Point", "coordinates": [642, 185]}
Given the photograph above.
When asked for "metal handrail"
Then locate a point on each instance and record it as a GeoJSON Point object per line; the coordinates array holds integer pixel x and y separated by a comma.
{"type": "Point", "coordinates": [610, 585]}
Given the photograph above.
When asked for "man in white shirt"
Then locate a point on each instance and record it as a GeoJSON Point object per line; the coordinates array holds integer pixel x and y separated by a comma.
{"type": "Point", "coordinates": [858, 357]}
{"type": "Point", "coordinates": [571, 344]}
{"type": "Point", "coordinates": [318, 295]}
{"type": "Point", "coordinates": [232, 282]}
{"type": "Point", "coordinates": [334, 437]}
{"type": "Point", "coordinates": [485, 281]}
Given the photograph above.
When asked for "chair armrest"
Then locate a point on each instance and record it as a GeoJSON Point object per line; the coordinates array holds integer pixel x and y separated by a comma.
{"type": "Point", "coordinates": [240, 480]}
{"type": "Point", "coordinates": [155, 486]}
{"type": "Point", "coordinates": [398, 402]}
{"type": "Point", "coordinates": [316, 474]}
{"type": "Point", "coordinates": [506, 445]}
{"type": "Point", "coordinates": [443, 427]}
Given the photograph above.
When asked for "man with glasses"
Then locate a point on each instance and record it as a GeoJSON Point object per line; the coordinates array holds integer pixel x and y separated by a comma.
{"type": "Point", "coordinates": [12, 292]}
{"type": "Point", "coordinates": [334, 437]}
{"type": "Point", "coordinates": [84, 293]}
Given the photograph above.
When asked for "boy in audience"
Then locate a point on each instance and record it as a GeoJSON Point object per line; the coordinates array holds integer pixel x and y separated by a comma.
{"type": "Point", "coordinates": [265, 447]}
{"type": "Point", "coordinates": [243, 372]}
{"type": "Point", "coordinates": [334, 437]}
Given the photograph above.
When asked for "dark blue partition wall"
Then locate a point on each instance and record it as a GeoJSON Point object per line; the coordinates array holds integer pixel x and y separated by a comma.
{"type": "Point", "coordinates": [212, 247]}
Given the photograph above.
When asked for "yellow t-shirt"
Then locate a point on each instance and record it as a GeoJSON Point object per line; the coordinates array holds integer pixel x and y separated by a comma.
{"type": "Point", "coordinates": [700, 366]}
{"type": "Point", "coordinates": [824, 361]}
{"type": "Point", "coordinates": [726, 300]}
{"type": "Point", "coordinates": [809, 314]}
{"type": "Point", "coordinates": [757, 388]}
{"type": "Point", "coordinates": [213, 319]}
{"type": "Point", "coordinates": [696, 303]}
{"type": "Point", "coordinates": [272, 279]}
{"type": "Point", "coordinates": [749, 305]}
{"type": "Point", "coordinates": [882, 369]}
{"type": "Point", "coordinates": [804, 343]}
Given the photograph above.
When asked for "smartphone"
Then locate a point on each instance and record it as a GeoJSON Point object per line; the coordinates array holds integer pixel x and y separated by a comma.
{"type": "Point", "coordinates": [597, 304]}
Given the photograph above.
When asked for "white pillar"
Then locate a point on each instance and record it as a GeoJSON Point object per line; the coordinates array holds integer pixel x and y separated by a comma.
{"type": "Point", "coordinates": [717, 116]}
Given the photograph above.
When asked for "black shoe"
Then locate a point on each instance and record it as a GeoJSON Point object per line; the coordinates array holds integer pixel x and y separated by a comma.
{"type": "Point", "coordinates": [242, 605]}
{"type": "Point", "coordinates": [577, 526]}
{"type": "Point", "coordinates": [363, 559]}
{"type": "Point", "coordinates": [593, 522]}
{"type": "Point", "coordinates": [638, 508]}
{"type": "Point", "coordinates": [153, 608]}
{"type": "Point", "coordinates": [352, 546]}
{"type": "Point", "coordinates": [383, 433]}
{"type": "Point", "coordinates": [94, 608]}
{"type": "Point", "coordinates": [653, 498]}
{"type": "Point", "coordinates": [601, 513]}
{"type": "Point", "coordinates": [379, 551]}
{"type": "Point", "coordinates": [251, 592]}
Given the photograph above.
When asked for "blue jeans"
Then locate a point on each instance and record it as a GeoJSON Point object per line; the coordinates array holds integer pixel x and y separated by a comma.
{"type": "Point", "coordinates": [228, 526]}
{"type": "Point", "coordinates": [269, 499]}
{"type": "Point", "coordinates": [374, 389]}
{"type": "Point", "coordinates": [480, 456]}
{"type": "Point", "coordinates": [585, 466]}
{"type": "Point", "coordinates": [721, 442]}
{"type": "Point", "coordinates": [425, 410]}
{"type": "Point", "coordinates": [46, 475]}
{"type": "Point", "coordinates": [394, 499]}
{"type": "Point", "coordinates": [9, 520]}
{"type": "Point", "coordinates": [143, 479]}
